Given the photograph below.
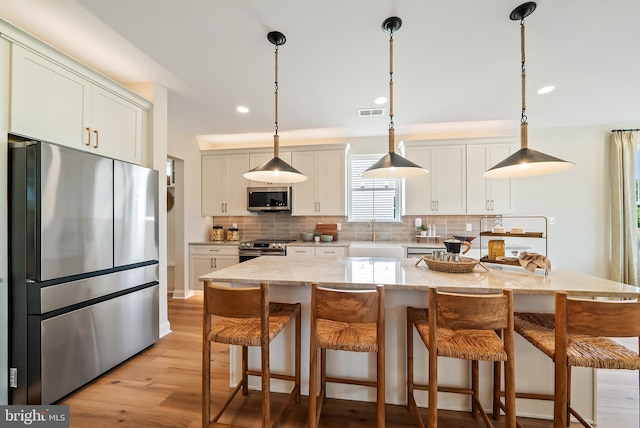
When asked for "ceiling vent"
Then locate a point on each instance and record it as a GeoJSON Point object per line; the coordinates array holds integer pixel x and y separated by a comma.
{"type": "Point", "coordinates": [368, 112]}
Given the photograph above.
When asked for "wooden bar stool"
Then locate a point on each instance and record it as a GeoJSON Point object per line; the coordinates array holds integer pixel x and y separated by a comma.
{"type": "Point", "coordinates": [463, 326]}
{"type": "Point", "coordinates": [578, 335]}
{"type": "Point", "coordinates": [245, 317]}
{"type": "Point", "coordinates": [345, 320]}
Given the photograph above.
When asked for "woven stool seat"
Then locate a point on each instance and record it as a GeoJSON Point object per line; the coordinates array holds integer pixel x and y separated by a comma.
{"type": "Point", "coordinates": [342, 336]}
{"type": "Point", "coordinates": [463, 326]}
{"type": "Point", "coordinates": [480, 345]}
{"type": "Point", "coordinates": [246, 331]}
{"type": "Point", "coordinates": [582, 350]}
{"type": "Point", "coordinates": [578, 334]}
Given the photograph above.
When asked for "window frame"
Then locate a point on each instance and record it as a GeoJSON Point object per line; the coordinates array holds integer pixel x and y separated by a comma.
{"type": "Point", "coordinates": [399, 183]}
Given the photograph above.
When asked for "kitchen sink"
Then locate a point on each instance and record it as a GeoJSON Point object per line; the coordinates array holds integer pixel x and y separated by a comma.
{"type": "Point", "coordinates": [376, 249]}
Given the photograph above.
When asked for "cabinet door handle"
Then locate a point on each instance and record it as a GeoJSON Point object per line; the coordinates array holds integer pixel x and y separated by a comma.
{"type": "Point", "coordinates": [88, 143]}
{"type": "Point", "coordinates": [437, 203]}
{"type": "Point", "coordinates": [215, 263]}
{"type": "Point", "coordinates": [95, 146]}
{"type": "Point", "coordinates": [211, 262]}
{"type": "Point", "coordinates": [491, 204]}
{"type": "Point", "coordinates": [486, 205]}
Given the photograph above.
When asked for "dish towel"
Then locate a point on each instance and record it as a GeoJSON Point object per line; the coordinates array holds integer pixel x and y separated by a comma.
{"type": "Point", "coordinates": [531, 261]}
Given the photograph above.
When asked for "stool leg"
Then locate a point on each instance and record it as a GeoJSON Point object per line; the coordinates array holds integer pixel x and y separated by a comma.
{"type": "Point", "coordinates": [313, 378]}
{"type": "Point", "coordinates": [297, 355]}
{"type": "Point", "coordinates": [568, 420]}
{"type": "Point", "coordinates": [245, 367]}
{"type": "Point", "coordinates": [266, 382]}
{"type": "Point", "coordinates": [380, 387]}
{"type": "Point", "coordinates": [432, 415]}
{"type": "Point", "coordinates": [496, 390]}
{"type": "Point", "coordinates": [206, 383]}
{"type": "Point", "coordinates": [475, 388]}
{"type": "Point", "coordinates": [323, 373]}
{"type": "Point", "coordinates": [409, 363]}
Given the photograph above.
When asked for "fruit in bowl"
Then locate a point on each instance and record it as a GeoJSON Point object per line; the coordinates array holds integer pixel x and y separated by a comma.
{"type": "Point", "coordinates": [326, 238]}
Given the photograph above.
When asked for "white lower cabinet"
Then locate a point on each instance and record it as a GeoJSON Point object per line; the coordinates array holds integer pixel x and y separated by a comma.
{"type": "Point", "coordinates": [316, 251]}
{"type": "Point", "coordinates": [204, 259]}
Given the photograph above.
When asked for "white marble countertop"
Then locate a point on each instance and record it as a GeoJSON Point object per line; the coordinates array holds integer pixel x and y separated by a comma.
{"type": "Point", "coordinates": [402, 274]}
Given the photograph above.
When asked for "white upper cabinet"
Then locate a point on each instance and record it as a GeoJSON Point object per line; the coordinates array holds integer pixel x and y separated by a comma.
{"type": "Point", "coordinates": [56, 103]}
{"type": "Point", "coordinates": [417, 190]}
{"type": "Point", "coordinates": [256, 159]}
{"type": "Point", "coordinates": [443, 189]}
{"type": "Point", "coordinates": [224, 190]}
{"type": "Point", "coordinates": [484, 195]}
{"type": "Point", "coordinates": [324, 192]}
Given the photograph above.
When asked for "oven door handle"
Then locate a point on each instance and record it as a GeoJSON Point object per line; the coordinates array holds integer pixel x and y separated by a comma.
{"type": "Point", "coordinates": [250, 253]}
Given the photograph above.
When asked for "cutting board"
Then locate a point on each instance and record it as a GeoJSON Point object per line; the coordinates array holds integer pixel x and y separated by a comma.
{"type": "Point", "coordinates": [328, 229]}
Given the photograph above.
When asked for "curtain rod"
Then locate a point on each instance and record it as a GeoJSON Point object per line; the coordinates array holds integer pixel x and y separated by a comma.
{"type": "Point", "coordinates": [626, 130]}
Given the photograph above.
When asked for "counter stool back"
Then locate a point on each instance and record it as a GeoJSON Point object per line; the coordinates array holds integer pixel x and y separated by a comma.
{"type": "Point", "coordinates": [579, 335]}
{"type": "Point", "coordinates": [475, 327]}
{"type": "Point", "coordinates": [245, 317]}
{"type": "Point", "coordinates": [345, 320]}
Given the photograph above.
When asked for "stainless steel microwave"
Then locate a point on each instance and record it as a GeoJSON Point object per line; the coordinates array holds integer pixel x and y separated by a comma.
{"type": "Point", "coordinates": [269, 198]}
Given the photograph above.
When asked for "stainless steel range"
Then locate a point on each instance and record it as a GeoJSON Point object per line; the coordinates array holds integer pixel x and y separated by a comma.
{"type": "Point", "coordinates": [263, 247]}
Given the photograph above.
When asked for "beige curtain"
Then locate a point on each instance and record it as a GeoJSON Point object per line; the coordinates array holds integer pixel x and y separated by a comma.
{"type": "Point", "coordinates": [624, 214]}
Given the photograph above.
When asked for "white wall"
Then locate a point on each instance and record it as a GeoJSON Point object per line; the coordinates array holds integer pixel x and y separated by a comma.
{"type": "Point", "coordinates": [577, 198]}
{"type": "Point", "coordinates": [189, 223]}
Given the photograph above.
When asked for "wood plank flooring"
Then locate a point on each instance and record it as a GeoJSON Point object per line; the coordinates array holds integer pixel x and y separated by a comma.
{"type": "Point", "coordinates": [160, 387]}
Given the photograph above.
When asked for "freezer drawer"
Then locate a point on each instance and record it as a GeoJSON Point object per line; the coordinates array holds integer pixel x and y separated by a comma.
{"type": "Point", "coordinates": [71, 293]}
{"type": "Point", "coordinates": [78, 346]}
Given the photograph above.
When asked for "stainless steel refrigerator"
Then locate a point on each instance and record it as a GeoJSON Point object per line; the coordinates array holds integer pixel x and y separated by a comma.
{"type": "Point", "coordinates": [83, 267]}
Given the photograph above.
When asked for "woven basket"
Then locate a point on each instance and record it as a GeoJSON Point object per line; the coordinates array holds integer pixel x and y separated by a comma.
{"type": "Point", "coordinates": [465, 265]}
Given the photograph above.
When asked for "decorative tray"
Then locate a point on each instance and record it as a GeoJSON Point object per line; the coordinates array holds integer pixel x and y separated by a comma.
{"type": "Point", "coordinates": [465, 265]}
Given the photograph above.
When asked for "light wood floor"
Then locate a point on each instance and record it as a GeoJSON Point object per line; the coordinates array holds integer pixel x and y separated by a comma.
{"type": "Point", "coordinates": [160, 387]}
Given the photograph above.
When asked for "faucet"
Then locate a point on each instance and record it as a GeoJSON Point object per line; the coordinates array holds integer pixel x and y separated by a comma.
{"type": "Point", "coordinates": [372, 225]}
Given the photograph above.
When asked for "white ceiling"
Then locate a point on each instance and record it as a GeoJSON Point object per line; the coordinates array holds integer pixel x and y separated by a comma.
{"type": "Point", "coordinates": [456, 62]}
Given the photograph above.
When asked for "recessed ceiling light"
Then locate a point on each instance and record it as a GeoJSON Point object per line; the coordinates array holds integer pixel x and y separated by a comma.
{"type": "Point", "coordinates": [380, 100]}
{"type": "Point", "coordinates": [242, 109]}
{"type": "Point", "coordinates": [545, 90]}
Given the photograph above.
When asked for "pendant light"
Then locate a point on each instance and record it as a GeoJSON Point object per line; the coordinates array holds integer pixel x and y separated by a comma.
{"type": "Point", "coordinates": [275, 170]}
{"type": "Point", "coordinates": [526, 162]}
{"type": "Point", "coordinates": [392, 165]}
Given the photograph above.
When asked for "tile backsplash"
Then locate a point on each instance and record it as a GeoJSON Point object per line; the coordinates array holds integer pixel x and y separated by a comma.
{"type": "Point", "coordinates": [285, 226]}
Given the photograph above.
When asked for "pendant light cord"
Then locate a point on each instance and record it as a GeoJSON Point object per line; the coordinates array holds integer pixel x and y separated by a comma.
{"type": "Point", "coordinates": [276, 137]}
{"type": "Point", "coordinates": [391, 124]}
{"type": "Point", "coordinates": [523, 118]}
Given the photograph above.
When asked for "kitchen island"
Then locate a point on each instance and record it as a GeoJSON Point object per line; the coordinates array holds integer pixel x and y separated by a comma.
{"type": "Point", "coordinates": [406, 285]}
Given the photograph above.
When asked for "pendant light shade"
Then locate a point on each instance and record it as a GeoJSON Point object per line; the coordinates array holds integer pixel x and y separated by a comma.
{"type": "Point", "coordinates": [526, 162]}
{"type": "Point", "coordinates": [392, 165]}
{"type": "Point", "coordinates": [275, 170]}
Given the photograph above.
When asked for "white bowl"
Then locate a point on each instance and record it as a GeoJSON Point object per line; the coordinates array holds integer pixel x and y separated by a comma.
{"type": "Point", "coordinates": [326, 238]}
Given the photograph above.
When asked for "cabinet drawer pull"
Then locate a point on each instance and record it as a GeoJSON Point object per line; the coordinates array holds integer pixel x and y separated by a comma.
{"type": "Point", "coordinates": [95, 146]}
{"type": "Point", "coordinates": [88, 143]}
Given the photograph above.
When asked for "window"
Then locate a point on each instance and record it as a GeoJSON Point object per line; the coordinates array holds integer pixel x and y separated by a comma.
{"type": "Point", "coordinates": [371, 198]}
